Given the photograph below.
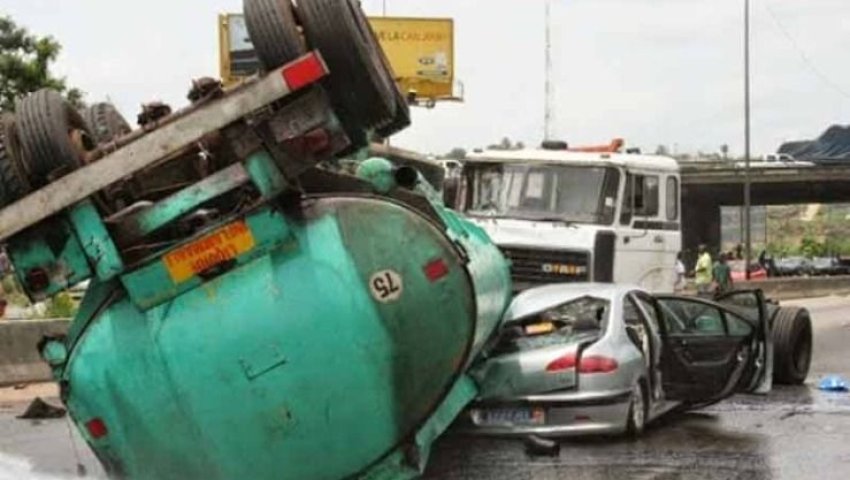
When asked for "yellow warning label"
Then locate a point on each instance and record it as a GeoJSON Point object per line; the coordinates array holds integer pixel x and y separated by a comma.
{"type": "Point", "coordinates": [214, 249]}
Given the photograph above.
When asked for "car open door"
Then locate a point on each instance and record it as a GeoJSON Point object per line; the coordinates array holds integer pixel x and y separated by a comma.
{"type": "Point", "coordinates": [708, 349]}
{"type": "Point", "coordinates": [751, 307]}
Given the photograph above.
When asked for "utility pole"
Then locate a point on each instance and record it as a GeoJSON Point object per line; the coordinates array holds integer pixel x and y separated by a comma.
{"type": "Point", "coordinates": [548, 124]}
{"type": "Point", "coordinates": [747, 181]}
{"type": "Point", "coordinates": [385, 8]}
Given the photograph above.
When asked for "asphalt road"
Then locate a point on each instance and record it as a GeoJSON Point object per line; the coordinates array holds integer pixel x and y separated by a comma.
{"type": "Point", "coordinates": [793, 433]}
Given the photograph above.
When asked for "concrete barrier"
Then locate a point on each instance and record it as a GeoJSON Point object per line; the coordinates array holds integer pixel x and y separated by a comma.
{"type": "Point", "coordinates": [20, 361]}
{"type": "Point", "coordinates": [785, 288]}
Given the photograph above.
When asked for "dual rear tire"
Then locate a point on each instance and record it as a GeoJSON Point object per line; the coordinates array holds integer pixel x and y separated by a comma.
{"type": "Point", "coordinates": [361, 84]}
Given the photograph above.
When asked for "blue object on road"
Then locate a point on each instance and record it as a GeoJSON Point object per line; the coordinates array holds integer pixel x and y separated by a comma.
{"type": "Point", "coordinates": [833, 383]}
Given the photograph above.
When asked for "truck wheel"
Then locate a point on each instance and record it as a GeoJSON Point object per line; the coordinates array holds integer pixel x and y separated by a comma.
{"type": "Point", "coordinates": [401, 120]}
{"type": "Point", "coordinates": [792, 340]}
{"type": "Point", "coordinates": [53, 135]}
{"type": "Point", "coordinates": [358, 84]}
{"type": "Point", "coordinates": [13, 182]}
{"type": "Point", "coordinates": [273, 31]}
{"type": "Point", "coordinates": [105, 122]}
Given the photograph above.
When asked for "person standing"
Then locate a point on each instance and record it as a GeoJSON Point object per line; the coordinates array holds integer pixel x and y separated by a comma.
{"type": "Point", "coordinates": [680, 273]}
{"type": "Point", "coordinates": [703, 274]}
{"type": "Point", "coordinates": [722, 276]}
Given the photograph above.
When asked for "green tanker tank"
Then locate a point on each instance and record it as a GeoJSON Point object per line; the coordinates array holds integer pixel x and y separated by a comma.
{"type": "Point", "coordinates": [335, 348]}
{"type": "Point", "coordinates": [261, 314]}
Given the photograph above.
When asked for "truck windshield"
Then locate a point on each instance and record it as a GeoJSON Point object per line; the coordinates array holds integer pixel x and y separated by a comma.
{"type": "Point", "coordinates": [570, 193]}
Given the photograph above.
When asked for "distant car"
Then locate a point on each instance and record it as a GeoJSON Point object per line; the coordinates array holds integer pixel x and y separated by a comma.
{"type": "Point", "coordinates": [828, 266]}
{"type": "Point", "coordinates": [793, 267]}
{"type": "Point", "coordinates": [779, 157]}
{"type": "Point", "coordinates": [575, 359]}
{"type": "Point", "coordinates": [757, 272]}
{"type": "Point", "coordinates": [775, 161]}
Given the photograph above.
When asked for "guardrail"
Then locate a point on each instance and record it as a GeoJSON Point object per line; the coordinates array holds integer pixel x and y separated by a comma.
{"type": "Point", "coordinates": [786, 288]}
{"type": "Point", "coordinates": [20, 361]}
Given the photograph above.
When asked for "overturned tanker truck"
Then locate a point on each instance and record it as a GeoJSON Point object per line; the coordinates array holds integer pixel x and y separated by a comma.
{"type": "Point", "coordinates": [253, 311]}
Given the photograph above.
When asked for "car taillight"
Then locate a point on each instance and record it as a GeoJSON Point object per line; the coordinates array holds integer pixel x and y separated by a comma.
{"type": "Point", "coordinates": [97, 428]}
{"type": "Point", "coordinates": [562, 363]}
{"type": "Point", "coordinates": [597, 364]}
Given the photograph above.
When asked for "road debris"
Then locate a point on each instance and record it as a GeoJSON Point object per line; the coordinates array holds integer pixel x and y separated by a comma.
{"type": "Point", "coordinates": [41, 410]}
{"type": "Point", "coordinates": [833, 383]}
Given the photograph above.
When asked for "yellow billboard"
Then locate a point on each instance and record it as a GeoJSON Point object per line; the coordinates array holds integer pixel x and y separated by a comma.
{"type": "Point", "coordinates": [421, 52]}
{"type": "Point", "coordinates": [237, 57]}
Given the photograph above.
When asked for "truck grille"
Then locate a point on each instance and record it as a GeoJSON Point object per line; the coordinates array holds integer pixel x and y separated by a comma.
{"type": "Point", "coordinates": [531, 267]}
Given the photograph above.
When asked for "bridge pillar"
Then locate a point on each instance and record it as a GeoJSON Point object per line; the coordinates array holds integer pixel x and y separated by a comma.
{"type": "Point", "coordinates": [701, 223]}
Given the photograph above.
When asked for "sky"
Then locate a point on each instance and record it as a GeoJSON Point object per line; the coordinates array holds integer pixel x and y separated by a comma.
{"type": "Point", "coordinates": [650, 71]}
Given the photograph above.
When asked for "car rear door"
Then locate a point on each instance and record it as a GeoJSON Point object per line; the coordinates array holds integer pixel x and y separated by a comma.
{"type": "Point", "coordinates": [750, 307]}
{"type": "Point", "coordinates": [705, 356]}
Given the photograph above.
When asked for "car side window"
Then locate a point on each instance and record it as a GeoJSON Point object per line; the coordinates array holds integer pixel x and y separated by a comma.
{"type": "Point", "coordinates": [635, 327]}
{"type": "Point", "coordinates": [738, 327]}
{"type": "Point", "coordinates": [692, 318]}
{"type": "Point", "coordinates": [672, 199]}
{"type": "Point", "coordinates": [646, 195]}
{"type": "Point", "coordinates": [651, 312]}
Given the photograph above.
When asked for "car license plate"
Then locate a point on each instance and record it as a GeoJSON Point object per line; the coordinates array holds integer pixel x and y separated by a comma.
{"type": "Point", "coordinates": [511, 417]}
{"type": "Point", "coordinates": [212, 250]}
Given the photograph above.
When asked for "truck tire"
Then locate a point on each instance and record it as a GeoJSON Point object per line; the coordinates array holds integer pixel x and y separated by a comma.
{"type": "Point", "coordinates": [273, 31]}
{"type": "Point", "coordinates": [47, 126]}
{"type": "Point", "coordinates": [359, 83]}
{"type": "Point", "coordinates": [792, 340]}
{"type": "Point", "coordinates": [105, 122]}
{"type": "Point", "coordinates": [13, 183]}
{"type": "Point", "coordinates": [401, 120]}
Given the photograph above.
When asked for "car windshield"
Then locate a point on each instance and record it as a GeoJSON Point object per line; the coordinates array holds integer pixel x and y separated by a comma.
{"type": "Point", "coordinates": [581, 319]}
{"type": "Point", "coordinates": [580, 194]}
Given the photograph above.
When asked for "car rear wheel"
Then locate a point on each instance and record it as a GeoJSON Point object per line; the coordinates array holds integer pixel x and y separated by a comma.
{"type": "Point", "coordinates": [792, 340]}
{"type": "Point", "coordinates": [636, 421]}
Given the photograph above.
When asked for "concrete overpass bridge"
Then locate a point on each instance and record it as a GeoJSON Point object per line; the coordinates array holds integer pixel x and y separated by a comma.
{"type": "Point", "coordinates": [707, 186]}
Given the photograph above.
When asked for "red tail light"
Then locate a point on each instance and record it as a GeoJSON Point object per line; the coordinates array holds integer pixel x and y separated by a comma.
{"type": "Point", "coordinates": [97, 428]}
{"type": "Point", "coordinates": [562, 363]}
{"type": "Point", "coordinates": [597, 364]}
{"type": "Point", "coordinates": [304, 71]}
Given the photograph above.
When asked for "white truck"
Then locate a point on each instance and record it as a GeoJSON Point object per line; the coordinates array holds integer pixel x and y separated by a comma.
{"type": "Point", "coordinates": [564, 216]}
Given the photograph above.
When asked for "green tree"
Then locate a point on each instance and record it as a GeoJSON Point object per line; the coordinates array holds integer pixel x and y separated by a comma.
{"type": "Point", "coordinates": [25, 61]}
{"type": "Point", "coordinates": [456, 153]}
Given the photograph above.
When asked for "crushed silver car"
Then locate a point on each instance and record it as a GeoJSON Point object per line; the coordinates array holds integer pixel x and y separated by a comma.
{"type": "Point", "coordinates": [574, 359]}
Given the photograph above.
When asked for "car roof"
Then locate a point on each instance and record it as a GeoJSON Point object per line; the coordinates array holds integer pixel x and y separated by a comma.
{"type": "Point", "coordinates": [538, 299]}
{"type": "Point", "coordinates": [649, 162]}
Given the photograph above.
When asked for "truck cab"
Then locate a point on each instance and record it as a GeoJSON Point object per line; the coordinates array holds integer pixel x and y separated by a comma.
{"type": "Point", "coordinates": [562, 216]}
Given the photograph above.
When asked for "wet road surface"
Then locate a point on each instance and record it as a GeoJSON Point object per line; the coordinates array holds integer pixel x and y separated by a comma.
{"type": "Point", "coordinates": [793, 433]}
